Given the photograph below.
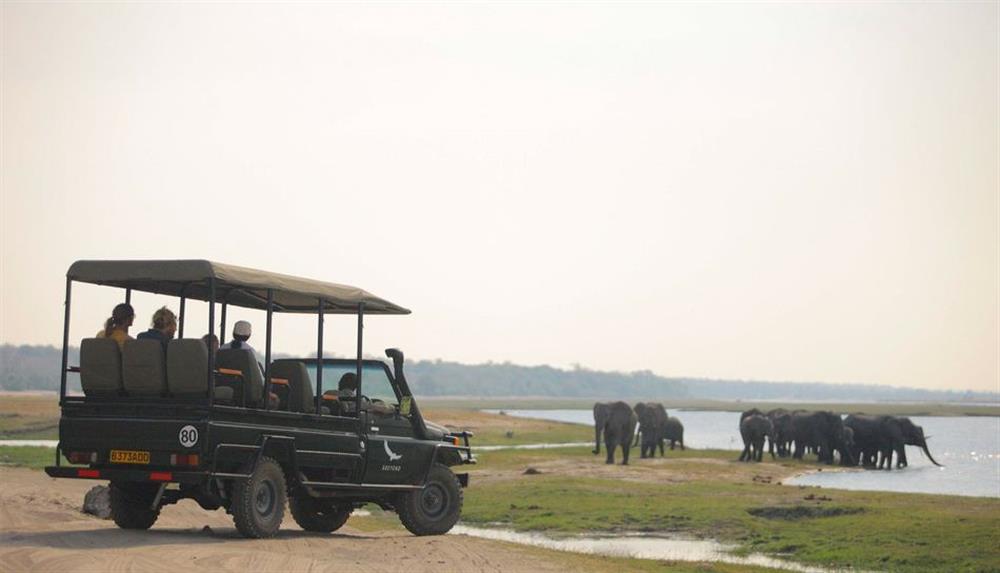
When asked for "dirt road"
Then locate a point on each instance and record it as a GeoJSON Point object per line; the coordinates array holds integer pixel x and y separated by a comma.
{"type": "Point", "coordinates": [42, 529]}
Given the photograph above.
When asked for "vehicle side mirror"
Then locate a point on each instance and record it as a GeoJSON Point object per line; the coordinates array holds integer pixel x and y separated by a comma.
{"type": "Point", "coordinates": [405, 404]}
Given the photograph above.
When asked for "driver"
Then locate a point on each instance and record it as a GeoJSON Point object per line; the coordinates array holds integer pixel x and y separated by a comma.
{"type": "Point", "coordinates": [348, 388]}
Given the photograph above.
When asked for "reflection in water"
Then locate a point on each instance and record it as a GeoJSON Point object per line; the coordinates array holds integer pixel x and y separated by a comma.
{"type": "Point", "coordinates": [968, 446]}
{"type": "Point", "coordinates": [637, 547]}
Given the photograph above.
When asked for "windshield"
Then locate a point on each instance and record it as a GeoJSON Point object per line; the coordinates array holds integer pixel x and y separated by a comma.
{"type": "Point", "coordinates": [375, 384]}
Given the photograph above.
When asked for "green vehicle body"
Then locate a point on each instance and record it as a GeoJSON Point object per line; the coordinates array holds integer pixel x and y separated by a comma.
{"type": "Point", "coordinates": [210, 450]}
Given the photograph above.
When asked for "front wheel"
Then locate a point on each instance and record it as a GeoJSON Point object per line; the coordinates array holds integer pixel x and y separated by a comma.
{"type": "Point", "coordinates": [319, 515]}
{"type": "Point", "coordinates": [258, 504]}
{"type": "Point", "coordinates": [130, 505]}
{"type": "Point", "coordinates": [435, 508]}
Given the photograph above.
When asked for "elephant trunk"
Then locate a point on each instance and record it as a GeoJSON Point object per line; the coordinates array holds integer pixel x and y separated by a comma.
{"type": "Point", "coordinates": [929, 456]}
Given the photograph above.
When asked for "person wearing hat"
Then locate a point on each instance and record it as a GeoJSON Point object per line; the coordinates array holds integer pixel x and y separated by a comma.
{"type": "Point", "coordinates": [241, 333]}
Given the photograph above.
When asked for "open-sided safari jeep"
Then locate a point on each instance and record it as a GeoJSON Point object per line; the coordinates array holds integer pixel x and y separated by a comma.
{"type": "Point", "coordinates": [210, 426]}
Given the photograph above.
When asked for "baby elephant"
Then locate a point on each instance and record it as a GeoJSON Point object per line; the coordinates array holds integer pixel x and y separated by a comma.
{"type": "Point", "coordinates": [754, 429]}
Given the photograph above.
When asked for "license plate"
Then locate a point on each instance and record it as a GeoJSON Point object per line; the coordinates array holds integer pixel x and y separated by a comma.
{"type": "Point", "coordinates": [129, 457]}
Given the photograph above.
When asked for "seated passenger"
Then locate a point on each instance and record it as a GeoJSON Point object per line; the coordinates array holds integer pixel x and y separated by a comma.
{"type": "Point", "coordinates": [164, 327]}
{"type": "Point", "coordinates": [348, 388]}
{"type": "Point", "coordinates": [116, 327]}
{"type": "Point", "coordinates": [212, 342]}
{"type": "Point", "coordinates": [241, 333]}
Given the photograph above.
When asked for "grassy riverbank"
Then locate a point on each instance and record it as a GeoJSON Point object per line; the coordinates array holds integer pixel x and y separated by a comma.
{"type": "Point", "coordinates": [707, 494]}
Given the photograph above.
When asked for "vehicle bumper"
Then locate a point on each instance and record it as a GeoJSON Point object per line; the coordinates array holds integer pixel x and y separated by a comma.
{"type": "Point", "coordinates": [127, 474]}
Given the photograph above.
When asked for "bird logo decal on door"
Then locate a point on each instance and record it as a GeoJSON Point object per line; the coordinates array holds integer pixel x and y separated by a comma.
{"type": "Point", "coordinates": [392, 455]}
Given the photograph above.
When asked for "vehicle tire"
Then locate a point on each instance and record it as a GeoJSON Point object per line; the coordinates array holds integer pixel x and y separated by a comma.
{"type": "Point", "coordinates": [319, 515]}
{"type": "Point", "coordinates": [434, 509]}
{"type": "Point", "coordinates": [130, 505]}
{"type": "Point", "coordinates": [258, 503]}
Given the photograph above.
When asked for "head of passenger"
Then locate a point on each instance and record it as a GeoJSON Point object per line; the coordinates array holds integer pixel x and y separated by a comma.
{"type": "Point", "coordinates": [165, 321]}
{"type": "Point", "coordinates": [164, 327]}
{"type": "Point", "coordinates": [241, 333]}
{"type": "Point", "coordinates": [211, 341]}
{"type": "Point", "coordinates": [117, 325]}
{"type": "Point", "coordinates": [348, 382]}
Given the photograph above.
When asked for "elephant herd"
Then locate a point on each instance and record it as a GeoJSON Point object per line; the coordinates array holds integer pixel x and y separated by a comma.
{"type": "Point", "coordinates": [857, 439]}
{"type": "Point", "coordinates": [648, 425]}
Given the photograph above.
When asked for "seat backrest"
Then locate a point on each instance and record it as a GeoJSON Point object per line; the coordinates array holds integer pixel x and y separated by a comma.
{"type": "Point", "coordinates": [187, 368]}
{"type": "Point", "coordinates": [300, 388]}
{"type": "Point", "coordinates": [239, 359]}
{"type": "Point", "coordinates": [143, 372]}
{"type": "Point", "coordinates": [100, 367]}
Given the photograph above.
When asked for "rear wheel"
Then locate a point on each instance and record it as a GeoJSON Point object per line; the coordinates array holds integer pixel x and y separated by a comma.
{"type": "Point", "coordinates": [435, 508]}
{"type": "Point", "coordinates": [130, 505]}
{"type": "Point", "coordinates": [319, 515]}
{"type": "Point", "coordinates": [258, 504]}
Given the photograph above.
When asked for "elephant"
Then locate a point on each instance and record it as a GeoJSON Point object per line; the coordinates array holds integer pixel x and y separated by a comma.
{"type": "Point", "coordinates": [913, 435]}
{"type": "Point", "coordinates": [602, 411]}
{"type": "Point", "coordinates": [822, 432]}
{"type": "Point", "coordinates": [876, 438]}
{"type": "Point", "coordinates": [619, 430]}
{"type": "Point", "coordinates": [754, 429]}
{"type": "Point", "coordinates": [640, 409]}
{"type": "Point", "coordinates": [744, 416]}
{"type": "Point", "coordinates": [673, 431]}
{"type": "Point", "coordinates": [781, 441]}
{"type": "Point", "coordinates": [652, 423]}
{"type": "Point", "coordinates": [849, 460]}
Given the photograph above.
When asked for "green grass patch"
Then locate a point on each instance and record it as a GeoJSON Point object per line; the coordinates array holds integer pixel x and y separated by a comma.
{"type": "Point", "coordinates": [27, 456]}
{"type": "Point", "coordinates": [866, 530]}
{"type": "Point", "coordinates": [554, 433]}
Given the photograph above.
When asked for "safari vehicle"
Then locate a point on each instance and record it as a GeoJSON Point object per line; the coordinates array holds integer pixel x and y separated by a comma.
{"type": "Point", "coordinates": [193, 423]}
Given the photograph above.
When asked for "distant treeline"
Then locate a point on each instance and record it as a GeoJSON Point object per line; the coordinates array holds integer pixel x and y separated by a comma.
{"type": "Point", "coordinates": [37, 368]}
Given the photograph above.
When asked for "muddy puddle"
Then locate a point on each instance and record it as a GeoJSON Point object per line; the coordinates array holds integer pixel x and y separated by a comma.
{"type": "Point", "coordinates": [638, 546]}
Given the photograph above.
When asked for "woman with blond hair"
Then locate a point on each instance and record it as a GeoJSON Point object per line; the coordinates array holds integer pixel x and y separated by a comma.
{"type": "Point", "coordinates": [164, 327]}
{"type": "Point", "coordinates": [116, 327]}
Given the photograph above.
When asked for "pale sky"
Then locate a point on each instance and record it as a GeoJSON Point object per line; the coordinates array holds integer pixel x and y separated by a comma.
{"type": "Point", "coordinates": [774, 192]}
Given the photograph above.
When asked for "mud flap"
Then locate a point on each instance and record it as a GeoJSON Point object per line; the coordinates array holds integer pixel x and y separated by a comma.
{"type": "Point", "coordinates": [463, 479]}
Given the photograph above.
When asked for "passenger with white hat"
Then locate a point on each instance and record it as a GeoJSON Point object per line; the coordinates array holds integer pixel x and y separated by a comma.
{"type": "Point", "coordinates": [241, 333]}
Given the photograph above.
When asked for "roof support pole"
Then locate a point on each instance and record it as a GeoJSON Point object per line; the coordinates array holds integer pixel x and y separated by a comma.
{"type": "Point", "coordinates": [211, 331]}
{"type": "Point", "coordinates": [65, 350]}
{"type": "Point", "coordinates": [357, 393]}
{"type": "Point", "coordinates": [222, 325]}
{"type": "Point", "coordinates": [65, 355]}
{"type": "Point", "coordinates": [180, 319]}
{"type": "Point", "coordinates": [267, 351]}
{"type": "Point", "coordinates": [319, 358]}
{"type": "Point", "coordinates": [128, 296]}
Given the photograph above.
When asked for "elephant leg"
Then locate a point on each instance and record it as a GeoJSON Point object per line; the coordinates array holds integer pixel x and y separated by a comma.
{"type": "Point", "coordinates": [625, 449]}
{"type": "Point", "coordinates": [597, 441]}
{"type": "Point", "coordinates": [609, 446]}
{"type": "Point", "coordinates": [661, 449]}
{"type": "Point", "coordinates": [682, 444]}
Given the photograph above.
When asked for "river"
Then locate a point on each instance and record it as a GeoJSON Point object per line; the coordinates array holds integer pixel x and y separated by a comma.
{"type": "Point", "coordinates": [969, 448]}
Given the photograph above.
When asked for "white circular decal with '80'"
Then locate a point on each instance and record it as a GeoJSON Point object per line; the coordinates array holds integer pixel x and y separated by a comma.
{"type": "Point", "coordinates": [188, 436]}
